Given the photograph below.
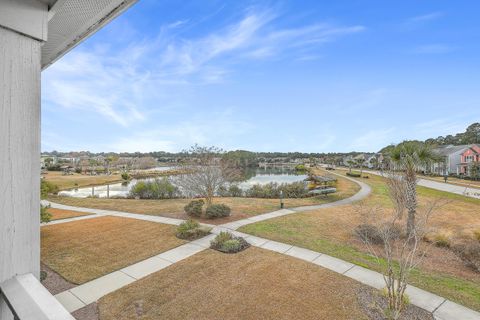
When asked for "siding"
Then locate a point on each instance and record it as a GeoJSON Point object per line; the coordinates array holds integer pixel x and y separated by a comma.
{"type": "Point", "coordinates": [19, 154]}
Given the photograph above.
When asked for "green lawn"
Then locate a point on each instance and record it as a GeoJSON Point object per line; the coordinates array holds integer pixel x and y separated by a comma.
{"type": "Point", "coordinates": [330, 231]}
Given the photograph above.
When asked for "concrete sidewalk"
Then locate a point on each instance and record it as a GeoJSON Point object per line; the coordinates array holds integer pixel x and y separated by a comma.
{"type": "Point", "coordinates": [89, 292]}
{"type": "Point", "coordinates": [441, 186]}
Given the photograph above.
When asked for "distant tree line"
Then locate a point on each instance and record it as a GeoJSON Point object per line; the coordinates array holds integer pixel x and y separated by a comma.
{"type": "Point", "coordinates": [470, 136]}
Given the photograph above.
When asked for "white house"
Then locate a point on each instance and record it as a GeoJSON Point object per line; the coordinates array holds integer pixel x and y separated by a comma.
{"type": "Point", "coordinates": [33, 35]}
{"type": "Point", "coordinates": [455, 159]}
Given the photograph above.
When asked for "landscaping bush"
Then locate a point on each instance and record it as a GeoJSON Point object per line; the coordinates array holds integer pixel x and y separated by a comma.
{"type": "Point", "coordinates": [354, 174]}
{"type": "Point", "coordinates": [469, 252]}
{"type": "Point", "coordinates": [217, 211]}
{"type": "Point", "coordinates": [125, 176]}
{"type": "Point", "coordinates": [47, 188]}
{"type": "Point", "coordinates": [154, 189]}
{"type": "Point", "coordinates": [45, 216]}
{"type": "Point", "coordinates": [232, 191]}
{"type": "Point", "coordinates": [232, 245]}
{"type": "Point", "coordinates": [441, 240]}
{"type": "Point", "coordinates": [300, 168]}
{"type": "Point", "coordinates": [194, 208]}
{"type": "Point", "coordinates": [235, 191]}
{"type": "Point", "coordinates": [191, 230]}
{"type": "Point", "coordinates": [223, 191]}
{"type": "Point", "coordinates": [272, 190]}
{"type": "Point", "coordinates": [227, 243]}
{"type": "Point", "coordinates": [369, 233]}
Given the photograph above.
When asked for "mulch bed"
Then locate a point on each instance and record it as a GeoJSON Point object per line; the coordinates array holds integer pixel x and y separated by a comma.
{"type": "Point", "coordinates": [373, 304]}
{"type": "Point", "coordinates": [89, 312]}
{"type": "Point", "coordinates": [53, 281]}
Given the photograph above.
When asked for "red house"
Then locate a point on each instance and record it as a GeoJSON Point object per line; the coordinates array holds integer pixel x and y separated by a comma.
{"type": "Point", "coordinates": [467, 158]}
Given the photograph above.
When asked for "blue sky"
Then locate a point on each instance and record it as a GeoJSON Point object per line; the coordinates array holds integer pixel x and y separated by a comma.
{"type": "Point", "coordinates": [310, 76]}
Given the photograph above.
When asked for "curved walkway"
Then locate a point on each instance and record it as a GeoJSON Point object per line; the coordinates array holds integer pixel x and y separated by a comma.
{"type": "Point", "coordinates": [89, 292]}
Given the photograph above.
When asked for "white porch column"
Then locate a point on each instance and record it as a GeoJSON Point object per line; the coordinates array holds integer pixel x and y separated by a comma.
{"type": "Point", "coordinates": [22, 30]}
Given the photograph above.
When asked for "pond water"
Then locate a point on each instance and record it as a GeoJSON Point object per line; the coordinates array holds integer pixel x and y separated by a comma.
{"type": "Point", "coordinates": [250, 178]}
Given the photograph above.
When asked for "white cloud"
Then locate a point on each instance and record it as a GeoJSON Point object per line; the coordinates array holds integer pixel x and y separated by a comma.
{"type": "Point", "coordinates": [218, 128]}
{"type": "Point", "coordinates": [421, 20]}
{"type": "Point", "coordinates": [125, 84]}
{"type": "Point", "coordinates": [436, 48]}
{"type": "Point", "coordinates": [373, 140]}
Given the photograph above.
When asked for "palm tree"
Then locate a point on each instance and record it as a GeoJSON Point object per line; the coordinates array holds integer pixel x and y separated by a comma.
{"type": "Point", "coordinates": [410, 157]}
{"type": "Point", "coordinates": [350, 164]}
{"type": "Point", "coordinates": [360, 162]}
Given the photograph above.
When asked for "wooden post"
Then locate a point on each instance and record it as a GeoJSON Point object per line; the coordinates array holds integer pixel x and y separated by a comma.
{"type": "Point", "coordinates": [19, 140]}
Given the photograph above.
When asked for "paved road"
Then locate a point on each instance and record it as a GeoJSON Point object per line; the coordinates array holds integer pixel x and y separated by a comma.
{"type": "Point", "coordinates": [452, 188]}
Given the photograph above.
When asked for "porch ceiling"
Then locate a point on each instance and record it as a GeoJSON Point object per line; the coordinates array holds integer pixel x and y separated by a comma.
{"type": "Point", "coordinates": [71, 21]}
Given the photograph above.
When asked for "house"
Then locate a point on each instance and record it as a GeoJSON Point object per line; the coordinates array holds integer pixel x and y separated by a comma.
{"type": "Point", "coordinates": [455, 159]}
{"type": "Point", "coordinates": [33, 35]}
{"type": "Point", "coordinates": [373, 161]}
{"type": "Point", "coordinates": [467, 158]}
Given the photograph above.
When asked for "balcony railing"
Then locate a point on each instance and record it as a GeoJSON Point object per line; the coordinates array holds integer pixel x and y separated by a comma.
{"type": "Point", "coordinates": [28, 299]}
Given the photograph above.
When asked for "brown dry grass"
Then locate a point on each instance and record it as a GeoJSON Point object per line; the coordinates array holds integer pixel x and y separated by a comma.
{"type": "Point", "coordinates": [331, 231]}
{"type": "Point", "coordinates": [59, 214]}
{"type": "Point", "coordinates": [76, 180]}
{"type": "Point", "coordinates": [241, 207]}
{"type": "Point", "coordinates": [253, 284]}
{"type": "Point", "coordinates": [83, 250]}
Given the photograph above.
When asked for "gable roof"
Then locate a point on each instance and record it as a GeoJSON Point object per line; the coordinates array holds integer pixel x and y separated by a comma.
{"type": "Point", "coordinates": [448, 150]}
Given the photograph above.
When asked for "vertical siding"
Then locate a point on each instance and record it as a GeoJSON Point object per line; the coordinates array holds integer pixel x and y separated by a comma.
{"type": "Point", "coordinates": [19, 156]}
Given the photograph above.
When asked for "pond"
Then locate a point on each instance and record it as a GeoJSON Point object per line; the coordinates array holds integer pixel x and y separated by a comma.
{"type": "Point", "coordinates": [250, 178]}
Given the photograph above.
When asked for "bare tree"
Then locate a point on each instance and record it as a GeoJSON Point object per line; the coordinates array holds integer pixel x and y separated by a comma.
{"type": "Point", "coordinates": [203, 172]}
{"type": "Point", "coordinates": [396, 253]}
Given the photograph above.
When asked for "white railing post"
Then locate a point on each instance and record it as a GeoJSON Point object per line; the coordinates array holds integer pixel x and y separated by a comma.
{"type": "Point", "coordinates": [23, 28]}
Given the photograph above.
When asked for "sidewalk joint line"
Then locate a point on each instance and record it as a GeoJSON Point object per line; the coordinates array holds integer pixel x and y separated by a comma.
{"type": "Point", "coordinates": [434, 310]}
{"type": "Point", "coordinates": [350, 269]}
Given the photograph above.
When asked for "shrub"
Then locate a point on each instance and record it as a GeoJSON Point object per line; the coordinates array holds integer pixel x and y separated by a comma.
{"type": "Point", "coordinates": [227, 243]}
{"type": "Point", "coordinates": [78, 170]}
{"type": "Point", "coordinates": [232, 245]}
{"type": "Point", "coordinates": [235, 191]}
{"type": "Point", "coordinates": [441, 240]}
{"type": "Point", "coordinates": [125, 176]}
{"type": "Point", "coordinates": [154, 189]}
{"type": "Point", "coordinates": [194, 208]}
{"type": "Point", "coordinates": [45, 216]}
{"type": "Point", "coordinates": [47, 188]}
{"type": "Point", "coordinates": [476, 234]}
{"type": "Point", "coordinates": [223, 191]}
{"type": "Point", "coordinates": [191, 230]}
{"type": "Point", "coordinates": [272, 190]}
{"type": "Point", "coordinates": [354, 174]}
{"type": "Point", "coordinates": [300, 168]}
{"type": "Point", "coordinates": [469, 252]}
{"type": "Point", "coordinates": [217, 211]}
{"type": "Point", "coordinates": [369, 233]}
{"type": "Point", "coordinates": [220, 239]}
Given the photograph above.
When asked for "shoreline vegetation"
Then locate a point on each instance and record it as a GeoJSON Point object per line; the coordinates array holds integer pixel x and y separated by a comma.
{"type": "Point", "coordinates": [242, 207]}
{"type": "Point", "coordinates": [76, 180]}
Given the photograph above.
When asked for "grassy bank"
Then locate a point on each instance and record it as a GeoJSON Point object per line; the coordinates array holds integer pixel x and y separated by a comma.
{"type": "Point", "coordinates": [330, 231]}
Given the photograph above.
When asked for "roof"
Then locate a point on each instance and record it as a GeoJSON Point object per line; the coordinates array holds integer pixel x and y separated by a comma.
{"type": "Point", "coordinates": [447, 150]}
{"type": "Point", "coordinates": [72, 21]}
